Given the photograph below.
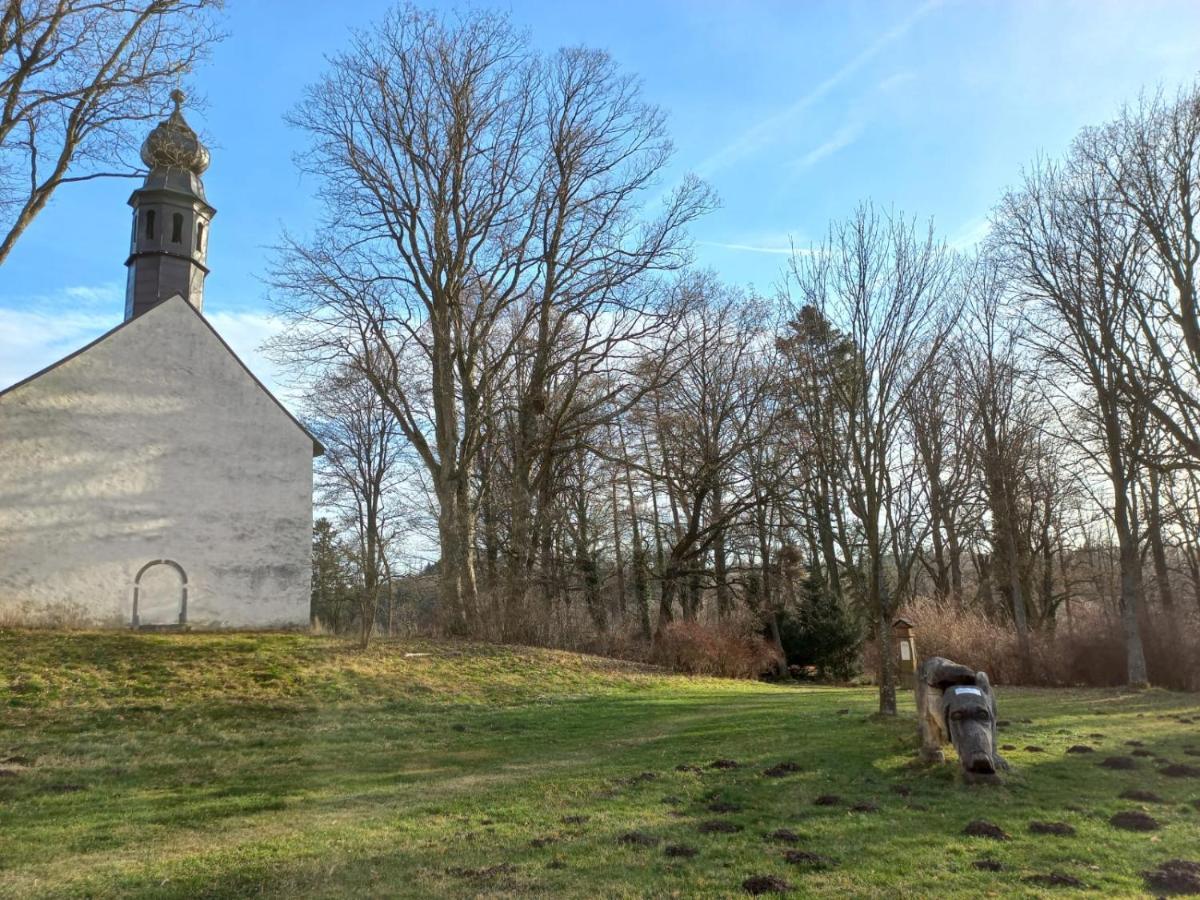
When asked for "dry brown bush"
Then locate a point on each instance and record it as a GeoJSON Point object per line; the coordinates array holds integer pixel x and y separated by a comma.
{"type": "Point", "coordinates": [1087, 649]}
{"type": "Point", "coordinates": [724, 650]}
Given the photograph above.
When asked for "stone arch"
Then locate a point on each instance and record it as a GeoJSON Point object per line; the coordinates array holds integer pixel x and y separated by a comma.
{"type": "Point", "coordinates": [140, 593]}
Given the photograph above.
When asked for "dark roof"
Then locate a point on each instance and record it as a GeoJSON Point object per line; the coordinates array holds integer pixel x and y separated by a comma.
{"type": "Point", "coordinates": [318, 448]}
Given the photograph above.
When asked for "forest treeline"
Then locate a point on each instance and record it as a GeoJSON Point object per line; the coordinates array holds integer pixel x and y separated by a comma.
{"type": "Point", "coordinates": [510, 358]}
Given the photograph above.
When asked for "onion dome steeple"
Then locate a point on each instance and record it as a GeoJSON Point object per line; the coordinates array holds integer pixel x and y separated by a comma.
{"type": "Point", "coordinates": [169, 245]}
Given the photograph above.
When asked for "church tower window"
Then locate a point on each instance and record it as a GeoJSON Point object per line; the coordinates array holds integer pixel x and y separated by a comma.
{"type": "Point", "coordinates": [177, 229]}
{"type": "Point", "coordinates": [200, 237]}
{"type": "Point", "coordinates": [150, 224]}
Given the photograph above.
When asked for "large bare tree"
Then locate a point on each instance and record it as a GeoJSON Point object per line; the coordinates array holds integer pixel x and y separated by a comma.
{"type": "Point", "coordinates": [78, 78]}
{"type": "Point", "coordinates": [884, 284]}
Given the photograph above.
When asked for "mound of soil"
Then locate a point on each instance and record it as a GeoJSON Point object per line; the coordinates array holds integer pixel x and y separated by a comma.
{"type": "Point", "coordinates": [866, 806]}
{"type": "Point", "coordinates": [719, 826]}
{"type": "Point", "coordinates": [639, 778]}
{"type": "Point", "coordinates": [828, 800]}
{"type": "Point", "coordinates": [807, 860]}
{"type": "Point", "coordinates": [680, 851]}
{"type": "Point", "coordinates": [1134, 744]}
{"type": "Point", "coordinates": [782, 770]}
{"type": "Point", "coordinates": [1060, 828]}
{"type": "Point", "coordinates": [1097, 735]}
{"type": "Point", "coordinates": [766, 884]}
{"type": "Point", "coordinates": [1081, 748]}
{"type": "Point", "coordinates": [983, 828]}
{"type": "Point", "coordinates": [1175, 876]}
{"type": "Point", "coordinates": [638, 839]}
{"type": "Point", "coordinates": [724, 764]}
{"type": "Point", "coordinates": [1141, 796]}
{"type": "Point", "coordinates": [784, 836]}
{"type": "Point", "coordinates": [1003, 723]}
{"type": "Point", "coordinates": [1119, 762]}
{"type": "Point", "coordinates": [539, 843]}
{"type": "Point", "coordinates": [1180, 770]}
{"type": "Point", "coordinates": [1055, 879]}
{"type": "Point", "coordinates": [1008, 746]}
{"type": "Point", "coordinates": [1141, 754]}
{"type": "Point", "coordinates": [1132, 820]}
{"type": "Point", "coordinates": [485, 874]}
{"type": "Point", "coordinates": [1034, 748]}
{"type": "Point", "coordinates": [574, 820]}
{"type": "Point", "coordinates": [689, 767]}
{"type": "Point", "coordinates": [723, 806]}
{"type": "Point", "coordinates": [988, 865]}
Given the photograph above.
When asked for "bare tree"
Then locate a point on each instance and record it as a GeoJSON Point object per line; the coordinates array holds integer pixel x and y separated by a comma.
{"type": "Point", "coordinates": [357, 474]}
{"type": "Point", "coordinates": [1078, 261]}
{"type": "Point", "coordinates": [77, 80]}
{"type": "Point", "coordinates": [884, 284]}
{"type": "Point", "coordinates": [480, 217]}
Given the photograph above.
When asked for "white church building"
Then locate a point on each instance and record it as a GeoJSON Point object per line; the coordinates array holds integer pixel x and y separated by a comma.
{"type": "Point", "coordinates": [149, 479]}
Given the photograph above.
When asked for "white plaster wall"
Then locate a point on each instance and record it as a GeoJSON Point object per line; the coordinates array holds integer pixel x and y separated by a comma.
{"type": "Point", "coordinates": [153, 444]}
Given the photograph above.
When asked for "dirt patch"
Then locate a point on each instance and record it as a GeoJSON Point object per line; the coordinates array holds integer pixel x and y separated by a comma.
{"type": "Point", "coordinates": [1060, 828]}
{"type": "Point", "coordinates": [984, 828]}
{"type": "Point", "coordinates": [1119, 762]}
{"type": "Point", "coordinates": [1081, 748]}
{"type": "Point", "coordinates": [638, 839]}
{"type": "Point", "coordinates": [782, 770]}
{"type": "Point", "coordinates": [62, 788]}
{"type": "Point", "coordinates": [1097, 735]}
{"type": "Point", "coordinates": [723, 806]}
{"type": "Point", "coordinates": [807, 860]}
{"type": "Point", "coordinates": [1008, 746]}
{"type": "Point", "coordinates": [724, 764]}
{"type": "Point", "coordinates": [680, 851]}
{"type": "Point", "coordinates": [1055, 879]}
{"type": "Point", "coordinates": [575, 820]}
{"type": "Point", "coordinates": [540, 842]}
{"type": "Point", "coordinates": [9, 773]}
{"type": "Point", "coordinates": [867, 806]}
{"type": "Point", "coordinates": [485, 874]}
{"type": "Point", "coordinates": [1141, 796]}
{"type": "Point", "coordinates": [988, 865]}
{"type": "Point", "coordinates": [784, 836]}
{"type": "Point", "coordinates": [1003, 723]}
{"type": "Point", "coordinates": [719, 826]}
{"type": "Point", "coordinates": [671, 800]}
{"type": "Point", "coordinates": [1132, 820]}
{"type": "Point", "coordinates": [1142, 753]}
{"type": "Point", "coordinates": [828, 800]}
{"type": "Point", "coordinates": [766, 884]}
{"type": "Point", "coordinates": [1134, 744]}
{"type": "Point", "coordinates": [1175, 876]}
{"type": "Point", "coordinates": [1034, 748]}
{"type": "Point", "coordinates": [1180, 770]}
{"type": "Point", "coordinates": [689, 767]}
{"type": "Point", "coordinates": [639, 778]}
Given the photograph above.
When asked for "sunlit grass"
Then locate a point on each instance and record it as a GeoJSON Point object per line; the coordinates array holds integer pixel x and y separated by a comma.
{"type": "Point", "coordinates": [227, 765]}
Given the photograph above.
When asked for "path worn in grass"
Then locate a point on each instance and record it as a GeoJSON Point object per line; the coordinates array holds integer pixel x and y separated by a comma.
{"type": "Point", "coordinates": [227, 765]}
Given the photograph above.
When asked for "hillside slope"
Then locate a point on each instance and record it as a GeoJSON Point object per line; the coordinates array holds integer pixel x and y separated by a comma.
{"type": "Point", "coordinates": [226, 765]}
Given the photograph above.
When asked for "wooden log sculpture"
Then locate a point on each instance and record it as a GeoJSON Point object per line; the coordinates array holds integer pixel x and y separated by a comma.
{"type": "Point", "coordinates": [956, 705]}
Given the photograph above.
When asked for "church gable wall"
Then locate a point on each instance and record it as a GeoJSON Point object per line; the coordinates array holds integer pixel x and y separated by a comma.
{"type": "Point", "coordinates": [153, 445]}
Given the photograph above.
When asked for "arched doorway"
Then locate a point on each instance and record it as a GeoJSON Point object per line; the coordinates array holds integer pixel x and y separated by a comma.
{"type": "Point", "coordinates": [160, 594]}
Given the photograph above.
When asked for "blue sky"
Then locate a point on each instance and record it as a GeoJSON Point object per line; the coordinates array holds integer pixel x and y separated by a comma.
{"type": "Point", "coordinates": [793, 111]}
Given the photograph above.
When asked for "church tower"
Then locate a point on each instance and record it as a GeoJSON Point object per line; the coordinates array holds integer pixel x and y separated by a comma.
{"type": "Point", "coordinates": [169, 244]}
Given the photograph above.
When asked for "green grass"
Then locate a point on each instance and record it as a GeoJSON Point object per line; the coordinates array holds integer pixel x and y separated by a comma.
{"type": "Point", "coordinates": [233, 765]}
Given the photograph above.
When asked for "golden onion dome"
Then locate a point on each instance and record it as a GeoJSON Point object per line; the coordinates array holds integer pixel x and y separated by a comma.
{"type": "Point", "coordinates": [173, 144]}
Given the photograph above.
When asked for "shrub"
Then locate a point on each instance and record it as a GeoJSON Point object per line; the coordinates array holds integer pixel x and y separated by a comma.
{"type": "Point", "coordinates": [724, 650]}
{"type": "Point", "coordinates": [1088, 649]}
{"type": "Point", "coordinates": [818, 632]}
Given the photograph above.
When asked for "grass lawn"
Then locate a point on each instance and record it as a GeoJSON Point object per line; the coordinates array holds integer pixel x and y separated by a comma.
{"type": "Point", "coordinates": [205, 765]}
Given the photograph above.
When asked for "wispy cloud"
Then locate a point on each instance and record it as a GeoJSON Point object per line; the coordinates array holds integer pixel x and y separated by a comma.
{"type": "Point", "coordinates": [768, 130]}
{"type": "Point", "coordinates": [843, 137]}
{"type": "Point", "coordinates": [970, 234]}
{"type": "Point", "coordinates": [747, 248]}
